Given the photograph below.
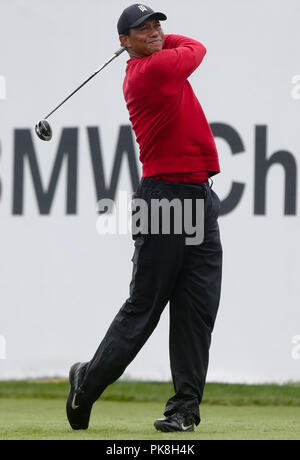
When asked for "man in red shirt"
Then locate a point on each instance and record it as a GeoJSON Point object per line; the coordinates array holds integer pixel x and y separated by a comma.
{"type": "Point", "coordinates": [179, 155]}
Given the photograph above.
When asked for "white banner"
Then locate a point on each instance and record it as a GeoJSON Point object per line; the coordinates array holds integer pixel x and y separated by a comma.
{"type": "Point", "coordinates": [61, 283]}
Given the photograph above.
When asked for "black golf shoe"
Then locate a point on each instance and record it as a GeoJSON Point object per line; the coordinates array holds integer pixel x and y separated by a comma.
{"type": "Point", "coordinates": [78, 414]}
{"type": "Point", "coordinates": [180, 421]}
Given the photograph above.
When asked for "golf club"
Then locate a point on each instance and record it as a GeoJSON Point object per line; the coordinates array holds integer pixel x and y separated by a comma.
{"type": "Point", "coordinates": [43, 128]}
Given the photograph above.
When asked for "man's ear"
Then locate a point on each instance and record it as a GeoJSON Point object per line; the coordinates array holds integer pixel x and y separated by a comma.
{"type": "Point", "coordinates": [124, 40]}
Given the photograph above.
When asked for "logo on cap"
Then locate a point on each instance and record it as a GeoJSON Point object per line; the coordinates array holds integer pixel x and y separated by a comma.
{"type": "Point", "coordinates": [142, 8]}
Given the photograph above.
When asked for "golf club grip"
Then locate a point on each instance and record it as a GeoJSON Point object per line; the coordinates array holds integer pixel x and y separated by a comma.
{"type": "Point", "coordinates": [120, 51]}
{"type": "Point", "coordinates": [116, 54]}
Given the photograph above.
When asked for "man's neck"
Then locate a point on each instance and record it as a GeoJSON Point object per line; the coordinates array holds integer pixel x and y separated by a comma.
{"type": "Point", "coordinates": [133, 54]}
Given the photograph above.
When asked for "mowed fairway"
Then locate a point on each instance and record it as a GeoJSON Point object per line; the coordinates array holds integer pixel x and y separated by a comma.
{"type": "Point", "coordinates": [37, 411]}
{"type": "Point", "coordinates": [41, 420]}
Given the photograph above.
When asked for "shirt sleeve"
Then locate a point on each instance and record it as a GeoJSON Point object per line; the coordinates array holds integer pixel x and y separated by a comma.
{"type": "Point", "coordinates": [170, 68]}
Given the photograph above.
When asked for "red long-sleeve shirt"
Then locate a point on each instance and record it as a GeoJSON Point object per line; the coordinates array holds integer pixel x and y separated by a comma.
{"type": "Point", "coordinates": [170, 126]}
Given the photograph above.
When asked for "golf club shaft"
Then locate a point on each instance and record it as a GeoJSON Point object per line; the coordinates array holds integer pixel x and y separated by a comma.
{"type": "Point", "coordinates": [116, 54]}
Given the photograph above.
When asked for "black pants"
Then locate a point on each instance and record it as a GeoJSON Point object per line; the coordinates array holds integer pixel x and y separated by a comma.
{"type": "Point", "coordinates": [165, 269]}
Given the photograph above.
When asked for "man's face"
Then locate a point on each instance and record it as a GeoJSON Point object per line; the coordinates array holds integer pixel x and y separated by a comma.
{"type": "Point", "coordinates": [144, 40]}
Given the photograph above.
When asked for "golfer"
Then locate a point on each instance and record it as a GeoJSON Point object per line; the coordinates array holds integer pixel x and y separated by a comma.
{"type": "Point", "coordinates": [179, 155]}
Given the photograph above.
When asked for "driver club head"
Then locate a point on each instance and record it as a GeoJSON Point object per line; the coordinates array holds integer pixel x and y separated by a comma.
{"type": "Point", "coordinates": [43, 130]}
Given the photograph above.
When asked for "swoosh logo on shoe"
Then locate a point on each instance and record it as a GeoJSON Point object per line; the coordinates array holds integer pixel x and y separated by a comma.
{"type": "Point", "coordinates": [185, 428]}
{"type": "Point", "coordinates": [74, 407]}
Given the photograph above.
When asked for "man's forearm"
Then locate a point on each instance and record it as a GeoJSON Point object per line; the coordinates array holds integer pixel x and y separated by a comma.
{"type": "Point", "coordinates": [175, 41]}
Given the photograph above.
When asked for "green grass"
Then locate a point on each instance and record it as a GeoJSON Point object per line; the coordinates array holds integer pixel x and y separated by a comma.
{"type": "Point", "coordinates": [126, 411]}
{"type": "Point", "coordinates": [40, 419]}
{"type": "Point", "coordinates": [215, 394]}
